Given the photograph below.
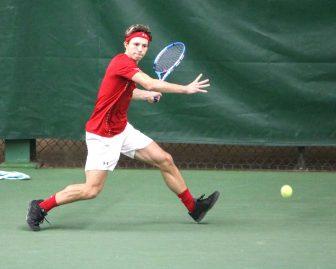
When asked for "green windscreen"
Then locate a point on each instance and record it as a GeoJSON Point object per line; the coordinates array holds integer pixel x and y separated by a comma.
{"type": "Point", "coordinates": [271, 65]}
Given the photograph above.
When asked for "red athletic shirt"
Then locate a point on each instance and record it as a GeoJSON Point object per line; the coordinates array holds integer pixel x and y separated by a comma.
{"type": "Point", "coordinates": [109, 116]}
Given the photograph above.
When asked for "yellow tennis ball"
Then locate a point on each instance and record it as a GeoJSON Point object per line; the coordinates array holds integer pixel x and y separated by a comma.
{"type": "Point", "coordinates": [286, 191]}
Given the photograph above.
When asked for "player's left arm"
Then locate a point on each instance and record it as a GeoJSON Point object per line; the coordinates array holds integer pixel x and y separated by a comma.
{"type": "Point", "coordinates": [157, 85]}
{"type": "Point", "coordinates": [149, 96]}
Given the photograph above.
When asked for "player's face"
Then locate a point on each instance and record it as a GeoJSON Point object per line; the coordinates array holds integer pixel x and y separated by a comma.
{"type": "Point", "coordinates": [136, 48]}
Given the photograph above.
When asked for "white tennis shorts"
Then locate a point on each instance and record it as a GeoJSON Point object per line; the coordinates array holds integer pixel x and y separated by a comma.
{"type": "Point", "coordinates": [104, 152]}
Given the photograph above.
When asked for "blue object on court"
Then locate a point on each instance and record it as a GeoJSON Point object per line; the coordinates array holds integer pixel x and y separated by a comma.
{"type": "Point", "coordinates": [13, 175]}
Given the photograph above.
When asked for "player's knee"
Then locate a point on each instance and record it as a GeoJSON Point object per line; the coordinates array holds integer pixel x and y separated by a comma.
{"type": "Point", "coordinates": [167, 161]}
{"type": "Point", "coordinates": [91, 192]}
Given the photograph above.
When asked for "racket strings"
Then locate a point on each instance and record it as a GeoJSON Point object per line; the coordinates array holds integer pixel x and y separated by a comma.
{"type": "Point", "coordinates": [169, 58]}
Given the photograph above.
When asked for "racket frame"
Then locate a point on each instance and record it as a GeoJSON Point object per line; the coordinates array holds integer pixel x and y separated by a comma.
{"type": "Point", "coordinates": [165, 74]}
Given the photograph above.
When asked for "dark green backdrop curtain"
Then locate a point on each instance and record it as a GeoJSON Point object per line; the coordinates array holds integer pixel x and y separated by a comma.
{"type": "Point", "coordinates": [271, 64]}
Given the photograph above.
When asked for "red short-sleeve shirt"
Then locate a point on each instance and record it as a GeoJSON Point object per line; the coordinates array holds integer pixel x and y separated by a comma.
{"type": "Point", "coordinates": [109, 116]}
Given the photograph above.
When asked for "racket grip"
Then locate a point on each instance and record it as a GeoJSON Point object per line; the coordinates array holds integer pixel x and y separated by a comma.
{"type": "Point", "coordinates": [155, 99]}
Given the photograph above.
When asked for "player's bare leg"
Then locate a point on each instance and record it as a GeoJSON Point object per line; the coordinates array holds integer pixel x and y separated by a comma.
{"type": "Point", "coordinates": [38, 209]}
{"type": "Point", "coordinates": [93, 185]}
{"type": "Point", "coordinates": [155, 155]}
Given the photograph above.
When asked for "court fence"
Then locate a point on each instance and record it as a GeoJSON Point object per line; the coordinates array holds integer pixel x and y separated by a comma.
{"type": "Point", "coordinates": [70, 153]}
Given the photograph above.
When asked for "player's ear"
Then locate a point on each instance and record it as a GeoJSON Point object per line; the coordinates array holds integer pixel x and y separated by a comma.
{"type": "Point", "coordinates": [125, 44]}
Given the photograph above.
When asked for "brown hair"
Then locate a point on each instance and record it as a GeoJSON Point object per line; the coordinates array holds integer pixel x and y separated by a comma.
{"type": "Point", "coordinates": [138, 28]}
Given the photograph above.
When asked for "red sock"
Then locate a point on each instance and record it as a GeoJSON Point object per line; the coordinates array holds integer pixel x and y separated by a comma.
{"type": "Point", "coordinates": [48, 203]}
{"type": "Point", "coordinates": [187, 199]}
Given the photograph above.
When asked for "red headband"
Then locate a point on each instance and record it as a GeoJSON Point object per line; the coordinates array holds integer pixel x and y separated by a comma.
{"type": "Point", "coordinates": [138, 34]}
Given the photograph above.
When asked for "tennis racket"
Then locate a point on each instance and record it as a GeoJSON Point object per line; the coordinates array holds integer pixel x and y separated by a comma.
{"type": "Point", "coordinates": [168, 59]}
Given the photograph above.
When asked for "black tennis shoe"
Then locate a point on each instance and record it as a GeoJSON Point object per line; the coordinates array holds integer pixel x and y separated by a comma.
{"type": "Point", "coordinates": [203, 205]}
{"type": "Point", "coordinates": [35, 215]}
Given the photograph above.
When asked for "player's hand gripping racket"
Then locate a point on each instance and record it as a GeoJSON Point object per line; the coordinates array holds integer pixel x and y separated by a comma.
{"type": "Point", "coordinates": [168, 59]}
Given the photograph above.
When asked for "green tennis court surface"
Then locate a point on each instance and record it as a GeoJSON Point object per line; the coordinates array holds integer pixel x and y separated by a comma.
{"type": "Point", "coordinates": [137, 223]}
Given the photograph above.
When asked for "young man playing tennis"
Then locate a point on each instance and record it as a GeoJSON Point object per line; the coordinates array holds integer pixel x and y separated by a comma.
{"type": "Point", "coordinates": [108, 132]}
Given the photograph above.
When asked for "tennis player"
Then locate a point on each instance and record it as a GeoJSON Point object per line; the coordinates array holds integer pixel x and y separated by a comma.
{"type": "Point", "coordinates": [108, 132]}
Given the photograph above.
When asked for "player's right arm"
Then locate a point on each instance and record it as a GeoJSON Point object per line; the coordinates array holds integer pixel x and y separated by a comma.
{"type": "Point", "coordinates": [157, 85]}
